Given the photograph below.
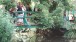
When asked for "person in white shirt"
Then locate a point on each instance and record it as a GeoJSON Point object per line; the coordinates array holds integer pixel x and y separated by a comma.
{"type": "Point", "coordinates": [22, 8]}
{"type": "Point", "coordinates": [71, 17]}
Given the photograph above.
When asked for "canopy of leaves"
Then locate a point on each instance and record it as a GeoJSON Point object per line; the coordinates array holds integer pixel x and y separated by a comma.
{"type": "Point", "coordinates": [8, 3]}
{"type": "Point", "coordinates": [25, 2]}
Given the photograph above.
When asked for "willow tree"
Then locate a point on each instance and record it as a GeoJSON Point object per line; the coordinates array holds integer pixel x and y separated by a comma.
{"type": "Point", "coordinates": [50, 14]}
{"type": "Point", "coordinates": [6, 25]}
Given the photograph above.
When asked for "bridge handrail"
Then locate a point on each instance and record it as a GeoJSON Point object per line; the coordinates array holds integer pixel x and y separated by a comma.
{"type": "Point", "coordinates": [25, 11]}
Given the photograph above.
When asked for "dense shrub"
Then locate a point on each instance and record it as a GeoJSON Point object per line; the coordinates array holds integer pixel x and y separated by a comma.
{"type": "Point", "coordinates": [6, 26]}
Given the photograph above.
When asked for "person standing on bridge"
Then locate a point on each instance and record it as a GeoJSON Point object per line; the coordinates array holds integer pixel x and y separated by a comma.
{"type": "Point", "coordinates": [21, 8]}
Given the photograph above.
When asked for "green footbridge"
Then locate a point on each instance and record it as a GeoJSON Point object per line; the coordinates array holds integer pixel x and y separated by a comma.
{"type": "Point", "coordinates": [25, 21]}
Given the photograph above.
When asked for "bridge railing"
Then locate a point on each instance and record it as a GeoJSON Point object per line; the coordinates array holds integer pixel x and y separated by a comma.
{"type": "Point", "coordinates": [25, 17]}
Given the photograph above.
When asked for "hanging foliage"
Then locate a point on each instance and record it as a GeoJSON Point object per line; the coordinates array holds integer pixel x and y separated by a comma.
{"type": "Point", "coordinates": [47, 19]}
{"type": "Point", "coordinates": [6, 26]}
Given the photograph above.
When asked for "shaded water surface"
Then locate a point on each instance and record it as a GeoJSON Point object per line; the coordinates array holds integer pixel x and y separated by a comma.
{"type": "Point", "coordinates": [53, 35]}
